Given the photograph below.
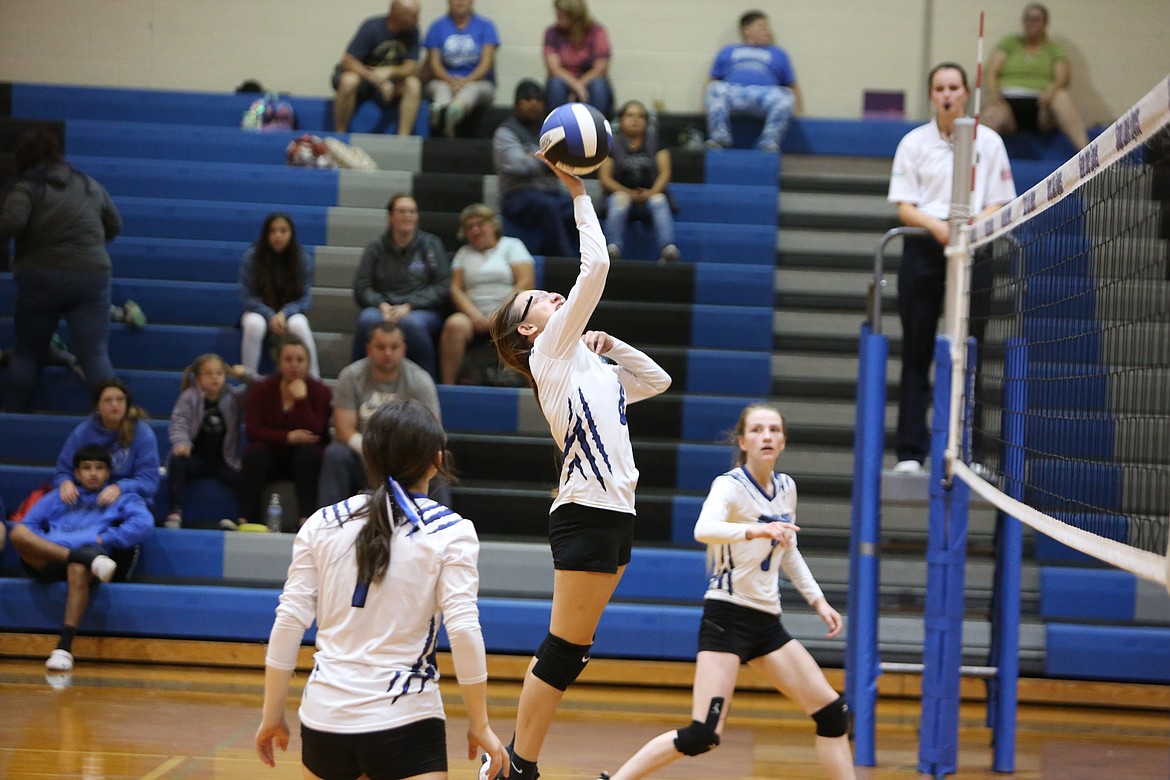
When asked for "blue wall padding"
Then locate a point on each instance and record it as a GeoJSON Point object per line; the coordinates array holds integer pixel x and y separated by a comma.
{"type": "Point", "coordinates": [1131, 653]}
{"type": "Point", "coordinates": [711, 418]}
{"type": "Point", "coordinates": [729, 371]}
{"type": "Point", "coordinates": [684, 511]}
{"type": "Point", "coordinates": [698, 464]}
{"type": "Point", "coordinates": [664, 574]}
{"type": "Point", "coordinates": [46, 101]}
{"type": "Point", "coordinates": [215, 181]}
{"type": "Point", "coordinates": [191, 260]}
{"type": "Point", "coordinates": [175, 142]}
{"type": "Point", "coordinates": [733, 327]}
{"type": "Point", "coordinates": [726, 203]}
{"type": "Point", "coordinates": [734, 285]}
{"type": "Point", "coordinates": [182, 553]}
{"type": "Point", "coordinates": [479, 408]}
{"type": "Point", "coordinates": [210, 220]}
{"type": "Point", "coordinates": [1087, 594]}
{"type": "Point", "coordinates": [732, 166]}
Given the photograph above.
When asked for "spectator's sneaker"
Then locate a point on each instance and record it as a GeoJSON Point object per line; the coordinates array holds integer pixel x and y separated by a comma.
{"type": "Point", "coordinates": [452, 118]}
{"type": "Point", "coordinates": [59, 681]}
{"type": "Point", "coordinates": [770, 148]}
{"type": "Point", "coordinates": [60, 660]}
{"type": "Point", "coordinates": [615, 253]}
{"type": "Point", "coordinates": [669, 254]}
{"type": "Point", "coordinates": [135, 317]}
{"type": "Point", "coordinates": [907, 467]}
{"type": "Point", "coordinates": [103, 567]}
{"type": "Point", "coordinates": [228, 524]}
{"type": "Point", "coordinates": [603, 776]}
{"type": "Point", "coordinates": [174, 520]}
{"type": "Point", "coordinates": [716, 144]}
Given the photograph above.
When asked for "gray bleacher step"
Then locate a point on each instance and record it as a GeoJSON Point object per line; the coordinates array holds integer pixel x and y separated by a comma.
{"type": "Point", "coordinates": [370, 189]}
{"type": "Point", "coordinates": [829, 243]}
{"type": "Point", "coordinates": [354, 227]}
{"type": "Point", "coordinates": [833, 366]}
{"type": "Point", "coordinates": [391, 152]}
{"type": "Point", "coordinates": [831, 324]}
{"type": "Point", "coordinates": [336, 265]}
{"type": "Point", "coordinates": [828, 412]}
{"type": "Point", "coordinates": [842, 211]}
{"type": "Point", "coordinates": [817, 281]}
{"type": "Point", "coordinates": [857, 171]}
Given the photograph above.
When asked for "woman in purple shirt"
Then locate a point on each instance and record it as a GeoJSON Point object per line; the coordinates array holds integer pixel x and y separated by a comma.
{"type": "Point", "coordinates": [576, 52]}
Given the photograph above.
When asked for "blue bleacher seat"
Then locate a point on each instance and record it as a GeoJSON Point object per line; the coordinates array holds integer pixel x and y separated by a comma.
{"type": "Point", "coordinates": [1131, 653]}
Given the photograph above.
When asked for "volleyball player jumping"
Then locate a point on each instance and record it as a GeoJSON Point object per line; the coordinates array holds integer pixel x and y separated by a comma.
{"type": "Point", "coordinates": [591, 526]}
{"type": "Point", "coordinates": [378, 572]}
{"type": "Point", "coordinates": [748, 524]}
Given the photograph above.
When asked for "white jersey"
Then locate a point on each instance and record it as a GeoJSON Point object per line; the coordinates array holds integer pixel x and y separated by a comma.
{"type": "Point", "coordinates": [924, 167]}
{"type": "Point", "coordinates": [582, 396]}
{"type": "Point", "coordinates": [746, 572]}
{"type": "Point", "coordinates": [374, 668]}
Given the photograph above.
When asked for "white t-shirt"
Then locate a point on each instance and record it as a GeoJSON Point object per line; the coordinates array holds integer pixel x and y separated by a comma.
{"type": "Point", "coordinates": [487, 276]}
{"type": "Point", "coordinates": [924, 165]}
{"type": "Point", "coordinates": [375, 662]}
{"type": "Point", "coordinates": [582, 396]}
{"type": "Point", "coordinates": [358, 390]}
{"type": "Point", "coordinates": [745, 571]}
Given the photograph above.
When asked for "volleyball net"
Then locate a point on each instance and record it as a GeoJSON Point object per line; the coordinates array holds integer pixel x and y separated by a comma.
{"type": "Point", "coordinates": [1064, 396]}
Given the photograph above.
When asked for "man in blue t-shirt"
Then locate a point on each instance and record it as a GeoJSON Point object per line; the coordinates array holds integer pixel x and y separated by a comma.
{"type": "Point", "coordinates": [381, 63]}
{"type": "Point", "coordinates": [461, 51]}
{"type": "Point", "coordinates": [752, 78]}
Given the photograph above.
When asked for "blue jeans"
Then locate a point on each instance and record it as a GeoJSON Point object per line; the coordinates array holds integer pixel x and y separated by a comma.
{"type": "Point", "coordinates": [420, 330]}
{"type": "Point", "coordinates": [557, 93]}
{"type": "Point", "coordinates": [775, 104]}
{"type": "Point", "coordinates": [543, 220]}
{"type": "Point", "coordinates": [621, 211]}
{"type": "Point", "coordinates": [42, 298]}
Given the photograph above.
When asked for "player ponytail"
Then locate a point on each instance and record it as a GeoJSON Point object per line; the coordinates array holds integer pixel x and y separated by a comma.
{"type": "Point", "coordinates": [402, 440]}
{"type": "Point", "coordinates": [512, 346]}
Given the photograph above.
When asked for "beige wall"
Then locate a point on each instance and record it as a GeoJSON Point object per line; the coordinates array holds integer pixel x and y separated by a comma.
{"type": "Point", "coordinates": [662, 47]}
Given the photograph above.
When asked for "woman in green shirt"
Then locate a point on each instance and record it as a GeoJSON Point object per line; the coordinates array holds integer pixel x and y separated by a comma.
{"type": "Point", "coordinates": [1027, 85]}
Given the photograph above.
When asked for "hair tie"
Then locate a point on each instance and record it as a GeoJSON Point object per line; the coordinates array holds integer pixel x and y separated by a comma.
{"type": "Point", "coordinates": [404, 501]}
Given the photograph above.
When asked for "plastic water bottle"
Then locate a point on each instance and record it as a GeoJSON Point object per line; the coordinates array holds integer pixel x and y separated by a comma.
{"type": "Point", "coordinates": [275, 514]}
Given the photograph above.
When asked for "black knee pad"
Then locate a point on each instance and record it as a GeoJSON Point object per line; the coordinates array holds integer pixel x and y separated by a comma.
{"type": "Point", "coordinates": [696, 739]}
{"type": "Point", "coordinates": [833, 719]}
{"type": "Point", "coordinates": [560, 663]}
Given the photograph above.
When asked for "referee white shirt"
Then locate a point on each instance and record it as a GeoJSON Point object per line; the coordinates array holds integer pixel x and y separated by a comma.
{"type": "Point", "coordinates": [374, 668]}
{"type": "Point", "coordinates": [924, 165]}
{"type": "Point", "coordinates": [583, 397]}
{"type": "Point", "coordinates": [746, 571]}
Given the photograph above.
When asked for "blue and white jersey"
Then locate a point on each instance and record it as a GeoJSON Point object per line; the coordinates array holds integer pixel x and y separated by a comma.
{"type": "Point", "coordinates": [374, 668]}
{"type": "Point", "coordinates": [747, 571]}
{"type": "Point", "coordinates": [584, 397]}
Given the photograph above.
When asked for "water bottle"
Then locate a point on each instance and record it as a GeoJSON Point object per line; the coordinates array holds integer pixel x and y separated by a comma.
{"type": "Point", "coordinates": [275, 514]}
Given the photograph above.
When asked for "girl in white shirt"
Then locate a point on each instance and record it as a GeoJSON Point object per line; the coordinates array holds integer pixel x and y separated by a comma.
{"type": "Point", "coordinates": [591, 525]}
{"type": "Point", "coordinates": [748, 524]}
{"type": "Point", "coordinates": [378, 572]}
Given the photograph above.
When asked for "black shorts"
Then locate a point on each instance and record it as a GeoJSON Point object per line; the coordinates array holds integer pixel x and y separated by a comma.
{"type": "Point", "coordinates": [584, 538]}
{"type": "Point", "coordinates": [413, 749]}
{"type": "Point", "coordinates": [748, 633]}
{"type": "Point", "coordinates": [1026, 110]}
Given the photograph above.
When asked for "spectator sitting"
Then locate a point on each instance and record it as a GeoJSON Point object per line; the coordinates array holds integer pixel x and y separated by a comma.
{"type": "Point", "coordinates": [118, 426]}
{"type": "Point", "coordinates": [637, 174]}
{"type": "Point", "coordinates": [205, 430]}
{"type": "Point", "coordinates": [287, 423]}
{"type": "Point", "coordinates": [1027, 84]}
{"type": "Point", "coordinates": [61, 220]}
{"type": "Point", "coordinates": [461, 55]}
{"type": "Point", "coordinates": [485, 271]}
{"type": "Point", "coordinates": [403, 277]}
{"type": "Point", "coordinates": [276, 284]}
{"type": "Point", "coordinates": [532, 199]}
{"type": "Point", "coordinates": [82, 540]}
{"type": "Point", "coordinates": [753, 78]}
{"type": "Point", "coordinates": [383, 375]}
{"type": "Point", "coordinates": [576, 53]}
{"type": "Point", "coordinates": [381, 63]}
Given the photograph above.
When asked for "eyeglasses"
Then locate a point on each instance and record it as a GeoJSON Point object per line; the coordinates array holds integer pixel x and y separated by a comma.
{"type": "Point", "coordinates": [536, 296]}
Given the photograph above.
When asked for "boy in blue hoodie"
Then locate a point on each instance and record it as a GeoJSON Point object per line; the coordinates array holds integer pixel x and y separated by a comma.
{"type": "Point", "coordinates": [73, 542]}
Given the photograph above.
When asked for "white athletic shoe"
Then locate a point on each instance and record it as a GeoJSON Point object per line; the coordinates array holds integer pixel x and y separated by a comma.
{"type": "Point", "coordinates": [907, 467]}
{"type": "Point", "coordinates": [59, 681]}
{"type": "Point", "coordinates": [103, 567]}
{"type": "Point", "coordinates": [59, 661]}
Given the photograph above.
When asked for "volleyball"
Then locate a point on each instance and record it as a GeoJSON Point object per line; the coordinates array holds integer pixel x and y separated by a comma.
{"type": "Point", "coordinates": [575, 137]}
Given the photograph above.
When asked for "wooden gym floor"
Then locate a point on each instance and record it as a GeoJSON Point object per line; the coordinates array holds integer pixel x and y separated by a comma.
{"type": "Point", "coordinates": [148, 721]}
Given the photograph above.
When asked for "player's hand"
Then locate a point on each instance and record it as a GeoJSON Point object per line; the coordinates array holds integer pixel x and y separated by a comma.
{"type": "Point", "coordinates": [484, 740]}
{"type": "Point", "coordinates": [270, 733]}
{"type": "Point", "coordinates": [574, 183]}
{"type": "Point", "coordinates": [598, 341]}
{"type": "Point", "coordinates": [831, 617]}
{"type": "Point", "coordinates": [782, 533]}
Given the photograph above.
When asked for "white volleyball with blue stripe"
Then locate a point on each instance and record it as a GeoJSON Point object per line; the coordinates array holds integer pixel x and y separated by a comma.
{"type": "Point", "coordinates": [575, 137]}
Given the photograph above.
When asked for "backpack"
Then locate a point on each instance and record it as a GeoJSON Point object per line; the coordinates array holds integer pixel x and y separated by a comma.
{"type": "Point", "coordinates": [269, 113]}
{"type": "Point", "coordinates": [33, 497]}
